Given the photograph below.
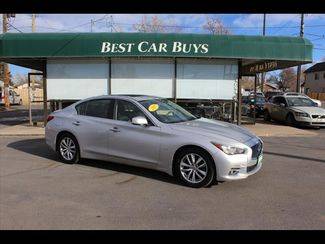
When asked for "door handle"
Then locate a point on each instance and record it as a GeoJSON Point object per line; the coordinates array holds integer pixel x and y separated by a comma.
{"type": "Point", "coordinates": [77, 123]}
{"type": "Point", "coordinates": [114, 129]}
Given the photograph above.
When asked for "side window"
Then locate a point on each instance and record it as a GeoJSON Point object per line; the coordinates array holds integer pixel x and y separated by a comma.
{"type": "Point", "coordinates": [81, 108]}
{"type": "Point", "coordinates": [101, 108]}
{"type": "Point", "coordinates": [282, 100]}
{"type": "Point", "coordinates": [316, 76]}
{"type": "Point", "coordinates": [276, 100]}
{"type": "Point", "coordinates": [127, 110]}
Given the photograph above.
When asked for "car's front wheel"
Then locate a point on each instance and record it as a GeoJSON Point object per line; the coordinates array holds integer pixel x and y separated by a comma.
{"type": "Point", "coordinates": [267, 116]}
{"type": "Point", "coordinates": [290, 120]}
{"type": "Point", "coordinates": [194, 168]}
{"type": "Point", "coordinates": [68, 149]}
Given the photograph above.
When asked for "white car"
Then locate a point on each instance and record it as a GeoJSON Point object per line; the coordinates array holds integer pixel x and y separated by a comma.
{"type": "Point", "coordinates": [318, 102]}
{"type": "Point", "coordinates": [14, 98]}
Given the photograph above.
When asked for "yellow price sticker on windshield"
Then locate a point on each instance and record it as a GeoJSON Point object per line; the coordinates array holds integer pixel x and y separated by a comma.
{"type": "Point", "coordinates": [153, 107]}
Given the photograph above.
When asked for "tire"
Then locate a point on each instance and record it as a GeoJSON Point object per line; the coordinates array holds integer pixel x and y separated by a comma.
{"type": "Point", "coordinates": [267, 116]}
{"type": "Point", "coordinates": [290, 120]}
{"type": "Point", "coordinates": [71, 154]}
{"type": "Point", "coordinates": [203, 163]}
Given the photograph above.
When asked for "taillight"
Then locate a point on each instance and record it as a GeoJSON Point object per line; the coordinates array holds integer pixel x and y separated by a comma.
{"type": "Point", "coordinates": [50, 117]}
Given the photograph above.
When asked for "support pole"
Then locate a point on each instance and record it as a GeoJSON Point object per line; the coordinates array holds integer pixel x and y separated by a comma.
{"type": "Point", "coordinates": [45, 94]}
{"type": "Point", "coordinates": [175, 81]}
{"type": "Point", "coordinates": [6, 79]}
{"type": "Point", "coordinates": [263, 74]}
{"type": "Point", "coordinates": [239, 93]}
{"type": "Point", "coordinates": [255, 83]}
{"type": "Point", "coordinates": [298, 86]}
{"type": "Point", "coordinates": [109, 77]}
{"type": "Point", "coordinates": [29, 102]}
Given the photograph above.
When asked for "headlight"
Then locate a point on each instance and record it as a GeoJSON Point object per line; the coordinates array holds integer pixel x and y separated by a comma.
{"type": "Point", "coordinates": [230, 150]}
{"type": "Point", "coordinates": [301, 114]}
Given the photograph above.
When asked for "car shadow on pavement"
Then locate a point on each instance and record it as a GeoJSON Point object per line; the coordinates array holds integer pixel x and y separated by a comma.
{"type": "Point", "coordinates": [38, 147]}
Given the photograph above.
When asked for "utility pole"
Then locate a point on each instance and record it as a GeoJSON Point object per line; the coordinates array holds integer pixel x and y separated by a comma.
{"type": "Point", "coordinates": [91, 25]}
{"type": "Point", "coordinates": [298, 88]}
{"type": "Point", "coordinates": [5, 65]}
{"type": "Point", "coordinates": [263, 74]}
{"type": "Point", "coordinates": [33, 22]}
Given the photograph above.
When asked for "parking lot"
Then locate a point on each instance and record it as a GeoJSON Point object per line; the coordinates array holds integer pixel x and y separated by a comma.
{"type": "Point", "coordinates": [39, 192]}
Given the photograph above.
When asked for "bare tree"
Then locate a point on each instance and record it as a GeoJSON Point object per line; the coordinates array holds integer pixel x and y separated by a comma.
{"type": "Point", "coordinates": [156, 25]}
{"type": "Point", "coordinates": [288, 79]}
{"type": "Point", "coordinates": [20, 79]}
{"type": "Point", "coordinates": [215, 27]}
{"type": "Point", "coordinates": [247, 82]}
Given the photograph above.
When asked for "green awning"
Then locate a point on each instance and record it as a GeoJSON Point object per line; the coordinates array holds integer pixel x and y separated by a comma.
{"type": "Point", "coordinates": [263, 51]}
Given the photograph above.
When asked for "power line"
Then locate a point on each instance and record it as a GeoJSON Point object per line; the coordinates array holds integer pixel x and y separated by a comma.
{"type": "Point", "coordinates": [14, 27]}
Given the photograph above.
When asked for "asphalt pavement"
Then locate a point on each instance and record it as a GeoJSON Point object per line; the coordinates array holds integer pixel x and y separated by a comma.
{"type": "Point", "coordinates": [39, 192]}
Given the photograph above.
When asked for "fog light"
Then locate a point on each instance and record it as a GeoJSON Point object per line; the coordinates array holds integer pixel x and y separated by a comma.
{"type": "Point", "coordinates": [234, 171]}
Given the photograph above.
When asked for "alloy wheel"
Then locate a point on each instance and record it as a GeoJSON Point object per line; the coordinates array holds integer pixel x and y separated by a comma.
{"type": "Point", "coordinates": [193, 168]}
{"type": "Point", "coordinates": [67, 148]}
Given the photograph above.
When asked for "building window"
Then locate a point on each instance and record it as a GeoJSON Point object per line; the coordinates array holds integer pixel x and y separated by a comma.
{"type": "Point", "coordinates": [316, 76]}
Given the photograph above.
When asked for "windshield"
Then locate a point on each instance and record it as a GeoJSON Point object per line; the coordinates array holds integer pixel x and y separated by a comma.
{"type": "Point", "coordinates": [300, 101]}
{"type": "Point", "coordinates": [167, 111]}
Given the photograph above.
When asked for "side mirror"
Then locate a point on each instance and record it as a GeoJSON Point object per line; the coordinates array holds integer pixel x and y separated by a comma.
{"type": "Point", "coordinates": [140, 120]}
{"type": "Point", "coordinates": [282, 105]}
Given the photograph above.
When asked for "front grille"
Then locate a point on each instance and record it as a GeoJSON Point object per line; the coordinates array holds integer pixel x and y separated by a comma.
{"type": "Point", "coordinates": [315, 116]}
{"type": "Point", "coordinates": [318, 123]}
{"type": "Point", "coordinates": [257, 149]}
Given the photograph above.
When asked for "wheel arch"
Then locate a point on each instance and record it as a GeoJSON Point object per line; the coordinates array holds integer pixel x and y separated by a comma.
{"type": "Point", "coordinates": [62, 133]}
{"type": "Point", "coordinates": [192, 146]}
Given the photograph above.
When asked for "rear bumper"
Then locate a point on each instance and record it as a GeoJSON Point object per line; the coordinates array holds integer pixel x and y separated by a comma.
{"type": "Point", "coordinates": [50, 136]}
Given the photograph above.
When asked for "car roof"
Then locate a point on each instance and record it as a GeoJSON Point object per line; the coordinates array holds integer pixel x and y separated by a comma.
{"type": "Point", "coordinates": [135, 97]}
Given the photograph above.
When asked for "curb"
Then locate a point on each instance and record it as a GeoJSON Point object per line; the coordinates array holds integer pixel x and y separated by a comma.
{"type": "Point", "coordinates": [22, 135]}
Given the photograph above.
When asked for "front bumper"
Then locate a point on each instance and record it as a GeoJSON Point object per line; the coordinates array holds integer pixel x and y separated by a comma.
{"type": "Point", "coordinates": [311, 122]}
{"type": "Point", "coordinates": [237, 167]}
{"type": "Point", "coordinates": [243, 172]}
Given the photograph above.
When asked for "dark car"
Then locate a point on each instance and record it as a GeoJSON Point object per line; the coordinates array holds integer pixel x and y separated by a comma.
{"type": "Point", "coordinates": [248, 105]}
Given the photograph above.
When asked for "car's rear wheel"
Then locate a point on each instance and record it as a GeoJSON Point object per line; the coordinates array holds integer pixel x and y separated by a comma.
{"type": "Point", "coordinates": [68, 148]}
{"type": "Point", "coordinates": [267, 116]}
{"type": "Point", "coordinates": [194, 168]}
{"type": "Point", "coordinates": [290, 120]}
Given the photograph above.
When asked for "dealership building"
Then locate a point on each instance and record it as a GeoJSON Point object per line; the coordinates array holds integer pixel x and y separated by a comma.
{"type": "Point", "coordinates": [182, 67]}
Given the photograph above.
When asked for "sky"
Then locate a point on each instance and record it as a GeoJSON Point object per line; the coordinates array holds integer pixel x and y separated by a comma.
{"type": "Point", "coordinates": [241, 24]}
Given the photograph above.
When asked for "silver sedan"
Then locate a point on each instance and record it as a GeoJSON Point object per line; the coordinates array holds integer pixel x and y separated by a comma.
{"type": "Point", "coordinates": [154, 133]}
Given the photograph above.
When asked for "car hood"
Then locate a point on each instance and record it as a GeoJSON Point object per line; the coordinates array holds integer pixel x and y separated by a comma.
{"type": "Point", "coordinates": [213, 128]}
{"type": "Point", "coordinates": [309, 110]}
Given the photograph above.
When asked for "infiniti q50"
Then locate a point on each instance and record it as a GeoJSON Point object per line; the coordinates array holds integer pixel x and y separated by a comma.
{"type": "Point", "coordinates": [154, 133]}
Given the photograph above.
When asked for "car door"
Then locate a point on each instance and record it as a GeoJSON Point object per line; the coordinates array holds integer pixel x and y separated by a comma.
{"type": "Point", "coordinates": [91, 125]}
{"type": "Point", "coordinates": [139, 144]}
{"type": "Point", "coordinates": [282, 110]}
{"type": "Point", "coordinates": [274, 108]}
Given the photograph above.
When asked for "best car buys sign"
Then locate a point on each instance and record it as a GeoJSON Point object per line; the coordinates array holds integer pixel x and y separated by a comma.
{"type": "Point", "coordinates": [153, 48]}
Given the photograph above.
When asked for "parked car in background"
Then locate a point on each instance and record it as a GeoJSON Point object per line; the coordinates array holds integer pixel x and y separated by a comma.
{"type": "Point", "coordinates": [258, 93]}
{"type": "Point", "coordinates": [14, 98]}
{"type": "Point", "coordinates": [319, 103]}
{"type": "Point", "coordinates": [249, 104]}
{"type": "Point", "coordinates": [294, 110]}
{"type": "Point", "coordinates": [154, 133]}
{"type": "Point", "coordinates": [270, 94]}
